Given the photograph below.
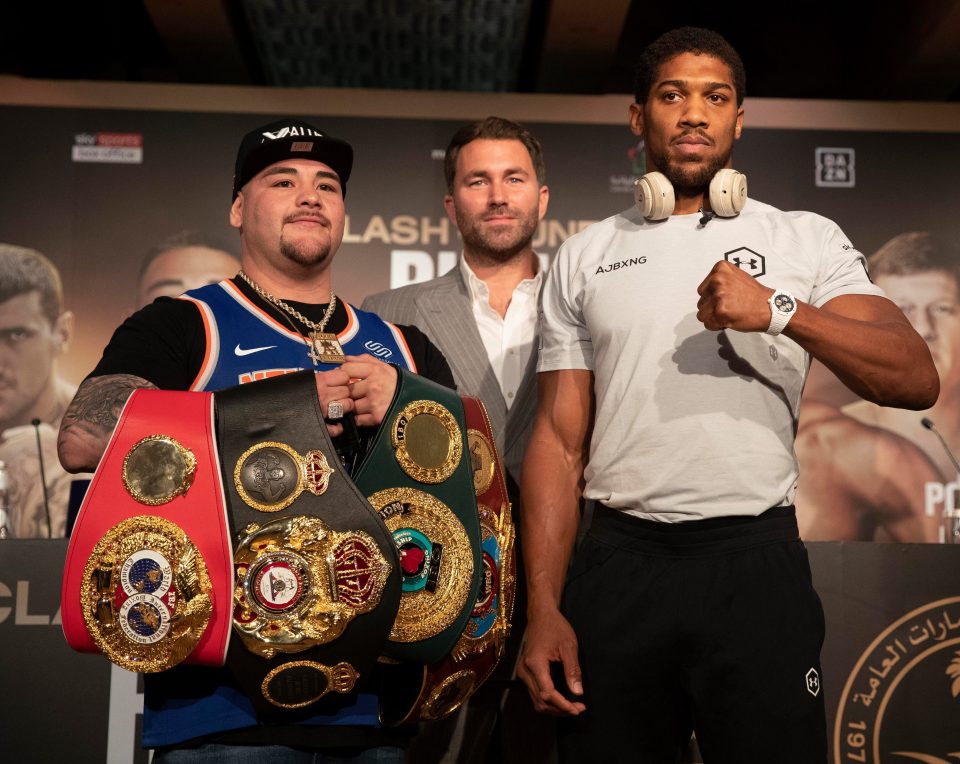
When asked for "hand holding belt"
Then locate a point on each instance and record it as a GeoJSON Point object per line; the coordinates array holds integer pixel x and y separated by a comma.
{"type": "Point", "coordinates": [149, 568]}
{"type": "Point", "coordinates": [316, 584]}
{"type": "Point", "coordinates": [436, 690]}
{"type": "Point", "coordinates": [417, 476]}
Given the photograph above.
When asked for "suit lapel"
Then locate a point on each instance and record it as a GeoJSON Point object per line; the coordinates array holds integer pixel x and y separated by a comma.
{"type": "Point", "coordinates": [448, 318]}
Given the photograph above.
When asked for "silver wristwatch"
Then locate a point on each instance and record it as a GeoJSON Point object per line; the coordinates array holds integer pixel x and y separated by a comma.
{"type": "Point", "coordinates": [782, 308]}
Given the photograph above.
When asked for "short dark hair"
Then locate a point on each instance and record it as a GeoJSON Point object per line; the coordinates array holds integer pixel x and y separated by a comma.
{"type": "Point", "coordinates": [916, 252]}
{"type": "Point", "coordinates": [24, 270]}
{"type": "Point", "coordinates": [179, 240]}
{"type": "Point", "coordinates": [494, 129]}
{"type": "Point", "coordinates": [687, 40]}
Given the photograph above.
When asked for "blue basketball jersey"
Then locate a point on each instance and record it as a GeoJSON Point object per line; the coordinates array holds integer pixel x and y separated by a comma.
{"type": "Point", "coordinates": [245, 343]}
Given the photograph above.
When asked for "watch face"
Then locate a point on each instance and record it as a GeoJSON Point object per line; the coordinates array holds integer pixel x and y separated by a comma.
{"type": "Point", "coordinates": [784, 303]}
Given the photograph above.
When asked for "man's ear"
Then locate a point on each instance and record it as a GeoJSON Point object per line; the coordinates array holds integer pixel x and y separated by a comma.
{"type": "Point", "coordinates": [63, 330]}
{"type": "Point", "coordinates": [636, 118]}
{"type": "Point", "coordinates": [450, 206]}
{"type": "Point", "coordinates": [544, 201]}
{"type": "Point", "coordinates": [236, 211]}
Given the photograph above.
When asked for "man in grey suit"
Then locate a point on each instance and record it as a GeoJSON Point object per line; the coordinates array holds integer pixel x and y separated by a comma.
{"type": "Point", "coordinates": [483, 313]}
{"type": "Point", "coordinates": [483, 316]}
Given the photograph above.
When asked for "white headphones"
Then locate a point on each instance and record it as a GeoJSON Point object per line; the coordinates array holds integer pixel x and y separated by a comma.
{"type": "Point", "coordinates": [655, 198]}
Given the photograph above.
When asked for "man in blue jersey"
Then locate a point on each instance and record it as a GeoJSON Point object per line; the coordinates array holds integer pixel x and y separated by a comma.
{"type": "Point", "coordinates": [278, 315]}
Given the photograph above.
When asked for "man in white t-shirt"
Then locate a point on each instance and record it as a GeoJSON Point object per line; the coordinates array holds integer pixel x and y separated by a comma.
{"type": "Point", "coordinates": [483, 317]}
{"type": "Point", "coordinates": [673, 354]}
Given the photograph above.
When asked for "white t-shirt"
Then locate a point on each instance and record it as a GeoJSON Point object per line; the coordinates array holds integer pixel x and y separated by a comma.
{"type": "Point", "coordinates": [690, 423]}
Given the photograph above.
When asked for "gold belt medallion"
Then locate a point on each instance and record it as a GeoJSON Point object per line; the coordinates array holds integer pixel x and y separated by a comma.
{"type": "Point", "coordinates": [298, 584]}
{"type": "Point", "coordinates": [270, 476]}
{"type": "Point", "coordinates": [146, 594]}
{"type": "Point", "coordinates": [436, 561]}
{"type": "Point", "coordinates": [482, 461]}
{"type": "Point", "coordinates": [449, 695]}
{"type": "Point", "coordinates": [157, 468]}
{"type": "Point", "coordinates": [427, 441]}
{"type": "Point", "coordinates": [299, 683]}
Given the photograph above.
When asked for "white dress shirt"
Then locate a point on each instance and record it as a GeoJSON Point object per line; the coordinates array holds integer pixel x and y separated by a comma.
{"type": "Point", "coordinates": [511, 340]}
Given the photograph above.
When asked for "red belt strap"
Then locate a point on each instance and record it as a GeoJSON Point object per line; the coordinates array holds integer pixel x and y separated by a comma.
{"type": "Point", "coordinates": [139, 599]}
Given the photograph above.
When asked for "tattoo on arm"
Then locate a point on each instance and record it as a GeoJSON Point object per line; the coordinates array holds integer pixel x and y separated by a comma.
{"type": "Point", "coordinates": [92, 416]}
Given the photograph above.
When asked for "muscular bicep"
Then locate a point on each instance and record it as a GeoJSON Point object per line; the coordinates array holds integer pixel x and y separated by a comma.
{"type": "Point", "coordinates": [91, 418]}
{"type": "Point", "coordinates": [867, 342]}
{"type": "Point", "coordinates": [866, 307]}
{"type": "Point", "coordinates": [565, 412]}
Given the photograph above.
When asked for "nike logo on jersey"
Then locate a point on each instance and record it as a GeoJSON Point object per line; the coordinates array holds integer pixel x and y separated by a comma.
{"type": "Point", "coordinates": [247, 351]}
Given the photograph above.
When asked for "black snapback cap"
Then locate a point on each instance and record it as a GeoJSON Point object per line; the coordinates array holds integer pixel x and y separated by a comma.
{"type": "Point", "coordinates": [290, 139]}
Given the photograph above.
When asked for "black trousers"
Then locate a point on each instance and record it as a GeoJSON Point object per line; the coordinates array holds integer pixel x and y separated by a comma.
{"type": "Point", "coordinates": [709, 626]}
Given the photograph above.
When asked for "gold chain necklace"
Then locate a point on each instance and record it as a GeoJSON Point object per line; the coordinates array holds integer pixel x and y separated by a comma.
{"type": "Point", "coordinates": [324, 346]}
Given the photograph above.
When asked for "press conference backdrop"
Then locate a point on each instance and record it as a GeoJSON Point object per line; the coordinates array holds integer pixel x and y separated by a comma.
{"type": "Point", "coordinates": [96, 188]}
{"type": "Point", "coordinates": [97, 175]}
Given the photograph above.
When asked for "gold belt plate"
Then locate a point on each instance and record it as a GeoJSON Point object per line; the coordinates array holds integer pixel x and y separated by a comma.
{"type": "Point", "coordinates": [145, 595]}
{"type": "Point", "coordinates": [298, 584]}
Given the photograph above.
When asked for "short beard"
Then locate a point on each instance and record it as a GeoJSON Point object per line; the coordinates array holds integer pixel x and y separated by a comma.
{"type": "Point", "coordinates": [688, 178]}
{"type": "Point", "coordinates": [491, 247]}
{"type": "Point", "coordinates": [303, 255]}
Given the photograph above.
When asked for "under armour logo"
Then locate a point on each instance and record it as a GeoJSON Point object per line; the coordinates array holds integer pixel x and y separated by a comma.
{"type": "Point", "coordinates": [747, 260]}
{"type": "Point", "coordinates": [813, 682]}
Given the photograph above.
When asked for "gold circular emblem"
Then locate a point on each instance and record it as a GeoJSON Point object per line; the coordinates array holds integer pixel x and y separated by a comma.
{"type": "Point", "coordinates": [146, 594]}
{"type": "Point", "coordinates": [918, 655]}
{"type": "Point", "coordinates": [269, 476]}
{"type": "Point", "coordinates": [299, 683]}
{"type": "Point", "coordinates": [299, 584]}
{"type": "Point", "coordinates": [427, 441]}
{"type": "Point", "coordinates": [482, 461]}
{"type": "Point", "coordinates": [436, 561]}
{"type": "Point", "coordinates": [157, 468]}
{"type": "Point", "coordinates": [449, 695]}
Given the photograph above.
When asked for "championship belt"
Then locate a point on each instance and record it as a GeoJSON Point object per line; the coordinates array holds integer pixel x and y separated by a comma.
{"type": "Point", "coordinates": [437, 690]}
{"type": "Point", "coordinates": [417, 475]}
{"type": "Point", "coordinates": [149, 568]}
{"type": "Point", "coordinates": [320, 582]}
{"type": "Point", "coordinates": [316, 583]}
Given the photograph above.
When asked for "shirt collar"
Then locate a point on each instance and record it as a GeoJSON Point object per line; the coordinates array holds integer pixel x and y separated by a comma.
{"type": "Point", "coordinates": [480, 292]}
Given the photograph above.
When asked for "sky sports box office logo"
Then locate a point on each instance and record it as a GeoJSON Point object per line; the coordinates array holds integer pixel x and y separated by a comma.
{"type": "Point", "coordinates": [110, 148]}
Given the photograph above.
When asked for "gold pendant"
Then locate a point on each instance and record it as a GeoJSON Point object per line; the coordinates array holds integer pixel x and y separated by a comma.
{"type": "Point", "coordinates": [325, 348]}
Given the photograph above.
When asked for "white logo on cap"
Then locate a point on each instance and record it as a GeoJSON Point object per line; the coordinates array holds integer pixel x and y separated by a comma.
{"type": "Point", "coordinates": [291, 131]}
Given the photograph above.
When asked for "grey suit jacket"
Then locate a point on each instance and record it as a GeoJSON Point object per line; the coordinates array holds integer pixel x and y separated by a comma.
{"type": "Point", "coordinates": [441, 309]}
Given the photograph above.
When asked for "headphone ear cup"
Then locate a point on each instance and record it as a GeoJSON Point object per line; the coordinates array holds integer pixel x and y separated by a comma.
{"type": "Point", "coordinates": [654, 196]}
{"type": "Point", "coordinates": [728, 192]}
